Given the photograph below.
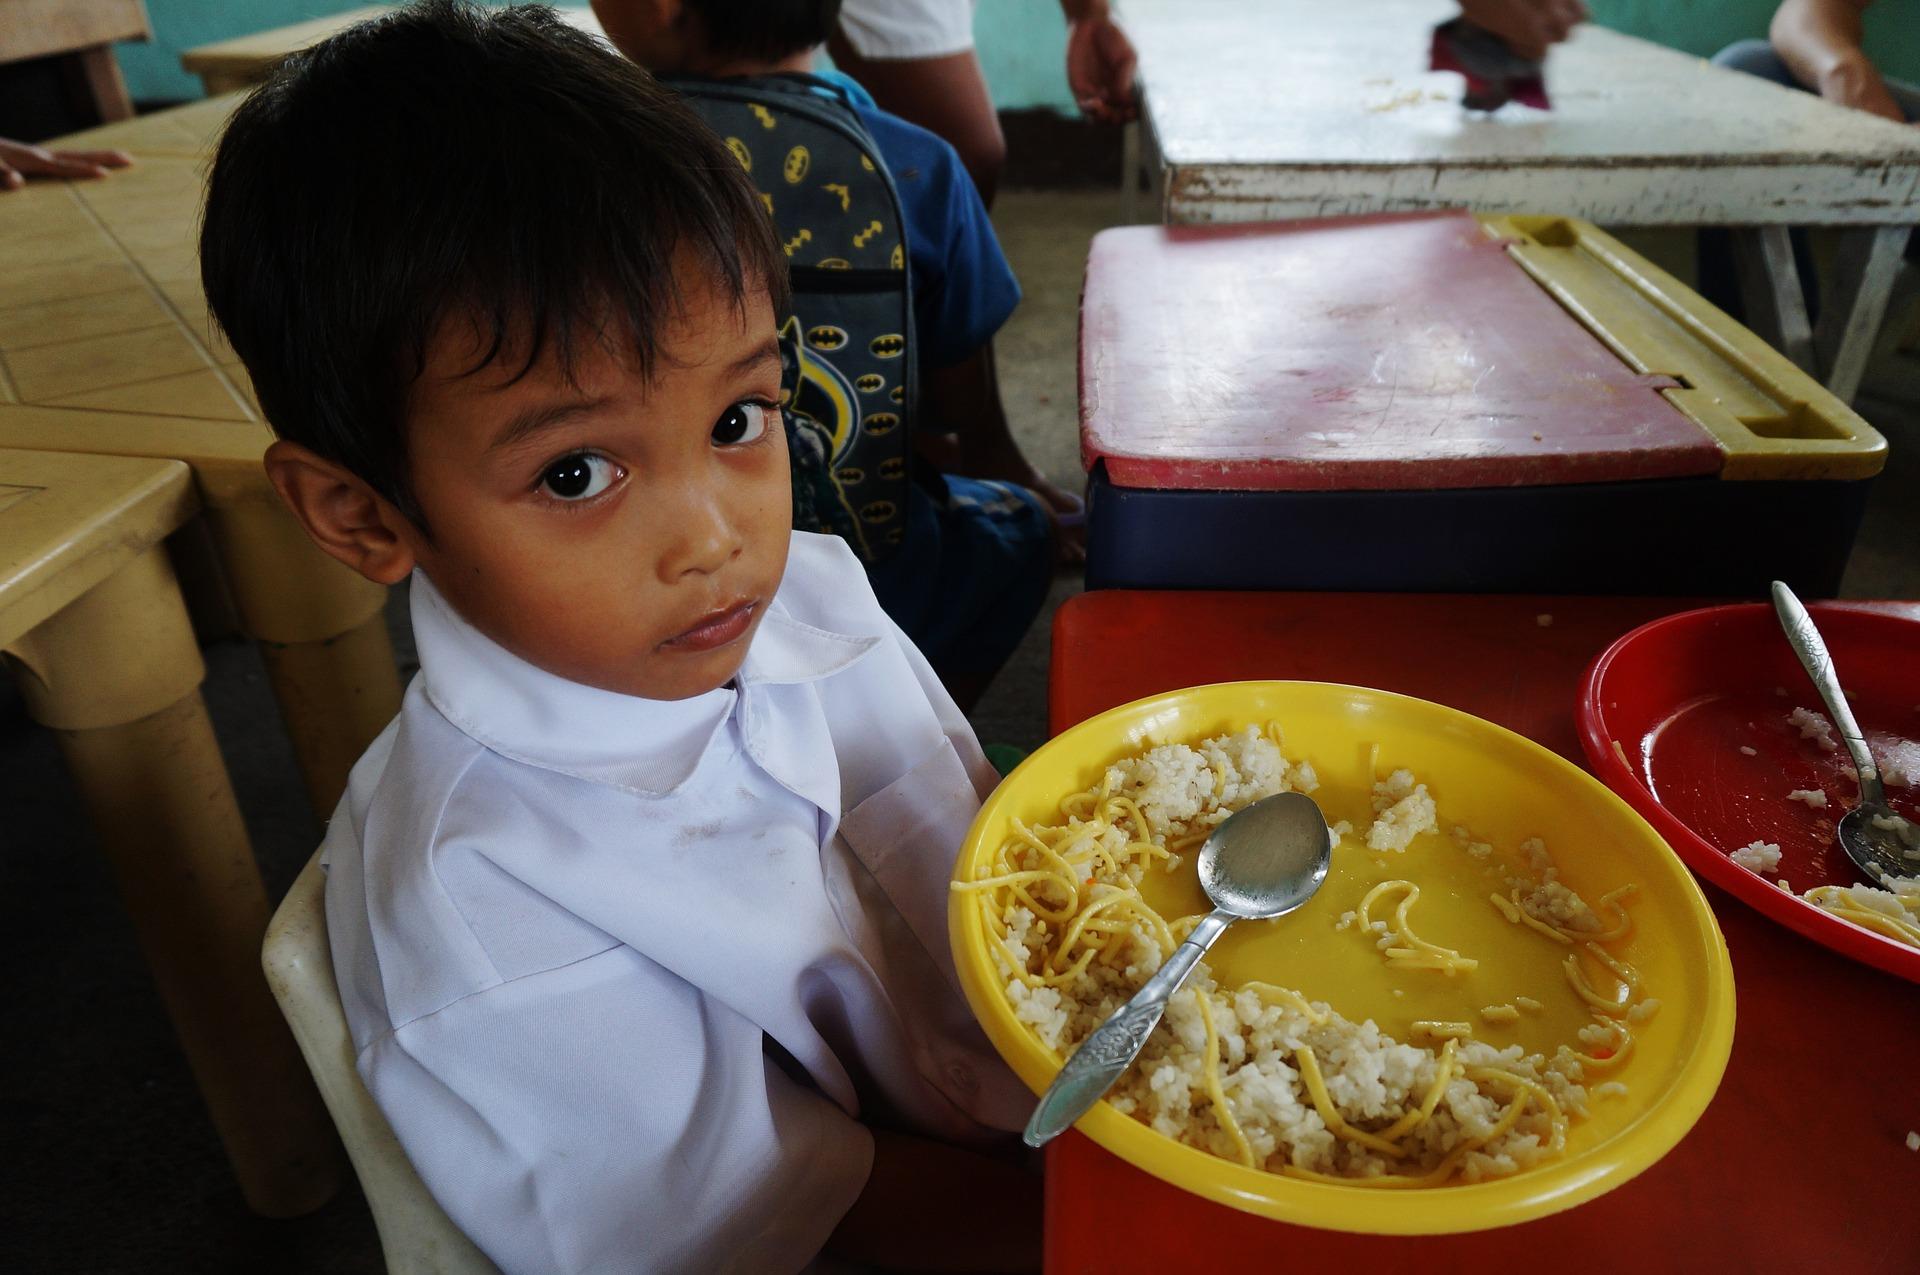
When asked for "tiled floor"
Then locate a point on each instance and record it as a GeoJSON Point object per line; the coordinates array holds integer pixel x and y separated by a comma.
{"type": "Point", "coordinates": [111, 1166]}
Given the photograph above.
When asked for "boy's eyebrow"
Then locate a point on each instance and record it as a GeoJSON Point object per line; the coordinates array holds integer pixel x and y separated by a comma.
{"type": "Point", "coordinates": [535, 419]}
{"type": "Point", "coordinates": [768, 352]}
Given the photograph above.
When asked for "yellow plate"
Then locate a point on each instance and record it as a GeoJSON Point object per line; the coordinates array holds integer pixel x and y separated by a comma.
{"type": "Point", "coordinates": [1503, 787]}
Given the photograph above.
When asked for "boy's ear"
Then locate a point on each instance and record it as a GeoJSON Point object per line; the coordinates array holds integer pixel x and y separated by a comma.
{"type": "Point", "coordinates": [342, 514]}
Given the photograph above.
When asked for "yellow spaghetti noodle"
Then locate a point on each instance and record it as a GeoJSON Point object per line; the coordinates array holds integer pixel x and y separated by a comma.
{"type": "Point", "coordinates": [1841, 902]}
{"type": "Point", "coordinates": [1414, 952]}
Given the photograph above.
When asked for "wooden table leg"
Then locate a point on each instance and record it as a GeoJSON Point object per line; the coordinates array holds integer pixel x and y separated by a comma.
{"type": "Point", "coordinates": [98, 73]}
{"type": "Point", "coordinates": [116, 676]}
{"type": "Point", "coordinates": [1776, 305]}
{"type": "Point", "coordinates": [1864, 271]}
{"type": "Point", "coordinates": [323, 634]}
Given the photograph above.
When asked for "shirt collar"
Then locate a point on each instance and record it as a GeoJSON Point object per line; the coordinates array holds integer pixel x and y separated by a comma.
{"type": "Point", "coordinates": [647, 746]}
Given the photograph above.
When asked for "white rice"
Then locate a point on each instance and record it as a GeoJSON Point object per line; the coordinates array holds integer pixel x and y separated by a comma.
{"type": "Point", "coordinates": [1402, 810]}
{"type": "Point", "coordinates": [1758, 856]}
{"type": "Point", "coordinates": [1813, 726]}
{"type": "Point", "coordinates": [1812, 797]}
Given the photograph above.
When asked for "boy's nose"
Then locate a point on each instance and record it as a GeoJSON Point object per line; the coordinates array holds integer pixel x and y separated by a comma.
{"type": "Point", "coordinates": [702, 537]}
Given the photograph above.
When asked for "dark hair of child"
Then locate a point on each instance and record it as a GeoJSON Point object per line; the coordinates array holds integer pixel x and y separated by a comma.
{"type": "Point", "coordinates": [764, 30]}
{"type": "Point", "coordinates": [449, 160]}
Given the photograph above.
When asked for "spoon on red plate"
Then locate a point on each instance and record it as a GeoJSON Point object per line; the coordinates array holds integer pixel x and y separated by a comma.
{"type": "Point", "coordinates": [1880, 842]}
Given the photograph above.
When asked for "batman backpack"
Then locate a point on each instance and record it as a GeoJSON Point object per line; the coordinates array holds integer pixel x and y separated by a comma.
{"type": "Point", "coordinates": [850, 385]}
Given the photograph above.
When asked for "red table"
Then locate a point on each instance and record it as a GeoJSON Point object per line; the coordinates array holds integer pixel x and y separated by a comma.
{"type": "Point", "coordinates": [1799, 1164]}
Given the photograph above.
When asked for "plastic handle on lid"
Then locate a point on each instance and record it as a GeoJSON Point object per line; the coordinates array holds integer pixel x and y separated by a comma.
{"type": "Point", "coordinates": [1104, 1056]}
{"type": "Point", "coordinates": [1812, 650]}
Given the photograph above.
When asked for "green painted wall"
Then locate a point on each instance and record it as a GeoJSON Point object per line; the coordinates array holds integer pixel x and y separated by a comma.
{"type": "Point", "coordinates": [1022, 42]}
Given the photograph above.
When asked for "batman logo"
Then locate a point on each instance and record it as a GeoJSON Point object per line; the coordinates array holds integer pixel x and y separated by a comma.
{"type": "Point", "coordinates": [835, 263]}
{"type": "Point", "coordinates": [892, 468]}
{"type": "Point", "coordinates": [878, 510]}
{"type": "Point", "coordinates": [880, 423]}
{"type": "Point", "coordinates": [821, 393]}
{"type": "Point", "coordinates": [899, 259]}
{"type": "Point", "coordinates": [888, 346]}
{"type": "Point", "coordinates": [798, 162]}
{"type": "Point", "coordinates": [762, 114]}
{"type": "Point", "coordinates": [898, 394]}
{"type": "Point", "coordinates": [825, 336]}
{"type": "Point", "coordinates": [741, 153]}
{"type": "Point", "coordinates": [851, 477]}
{"type": "Point", "coordinates": [870, 383]}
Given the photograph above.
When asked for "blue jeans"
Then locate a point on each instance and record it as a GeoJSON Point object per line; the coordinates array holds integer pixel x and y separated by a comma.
{"type": "Point", "coordinates": [1719, 280]}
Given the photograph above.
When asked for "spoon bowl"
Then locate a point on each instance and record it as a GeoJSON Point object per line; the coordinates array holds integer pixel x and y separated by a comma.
{"type": "Point", "coordinates": [1268, 859]}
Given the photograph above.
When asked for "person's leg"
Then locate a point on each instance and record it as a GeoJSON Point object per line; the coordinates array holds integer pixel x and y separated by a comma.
{"type": "Point", "coordinates": [969, 580]}
{"type": "Point", "coordinates": [1907, 96]}
{"type": "Point", "coordinates": [1717, 273]}
{"type": "Point", "coordinates": [946, 95]}
{"type": "Point", "coordinates": [1756, 57]}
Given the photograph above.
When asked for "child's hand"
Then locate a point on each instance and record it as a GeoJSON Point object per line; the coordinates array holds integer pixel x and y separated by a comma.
{"type": "Point", "coordinates": [19, 161]}
{"type": "Point", "coordinates": [1100, 62]}
{"type": "Point", "coordinates": [1067, 514]}
{"type": "Point", "coordinates": [1529, 27]}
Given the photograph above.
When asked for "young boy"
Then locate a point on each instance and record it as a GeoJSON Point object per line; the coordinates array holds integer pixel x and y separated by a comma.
{"type": "Point", "coordinates": [974, 568]}
{"type": "Point", "coordinates": [638, 908]}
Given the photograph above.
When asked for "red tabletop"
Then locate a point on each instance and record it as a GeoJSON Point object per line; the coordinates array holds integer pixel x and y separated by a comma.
{"type": "Point", "coordinates": [1799, 1164]}
{"type": "Point", "coordinates": [1360, 353]}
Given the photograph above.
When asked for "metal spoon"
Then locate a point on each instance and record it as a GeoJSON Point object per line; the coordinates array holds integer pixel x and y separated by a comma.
{"type": "Point", "coordinates": [1877, 851]}
{"type": "Point", "coordinates": [1261, 862]}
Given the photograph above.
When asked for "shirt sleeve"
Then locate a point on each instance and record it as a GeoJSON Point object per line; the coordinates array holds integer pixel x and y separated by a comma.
{"type": "Point", "coordinates": [963, 289]}
{"type": "Point", "coordinates": [605, 1116]}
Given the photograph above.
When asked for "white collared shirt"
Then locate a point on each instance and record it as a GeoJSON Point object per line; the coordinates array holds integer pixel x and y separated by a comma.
{"type": "Point", "coordinates": [626, 975]}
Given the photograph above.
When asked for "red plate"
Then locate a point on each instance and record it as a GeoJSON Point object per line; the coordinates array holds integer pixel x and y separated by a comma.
{"type": "Point", "coordinates": [1686, 696]}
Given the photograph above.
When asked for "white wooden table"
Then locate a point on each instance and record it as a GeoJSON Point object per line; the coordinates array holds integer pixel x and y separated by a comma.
{"type": "Point", "coordinates": [1275, 109]}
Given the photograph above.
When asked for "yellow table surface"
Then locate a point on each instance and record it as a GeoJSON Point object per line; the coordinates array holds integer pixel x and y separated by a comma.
{"type": "Point", "coordinates": [68, 522]}
{"type": "Point", "coordinates": [248, 58]}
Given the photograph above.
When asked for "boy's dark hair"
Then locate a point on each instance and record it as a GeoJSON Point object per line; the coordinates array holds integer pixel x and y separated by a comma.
{"type": "Point", "coordinates": [769, 29]}
{"type": "Point", "coordinates": [448, 159]}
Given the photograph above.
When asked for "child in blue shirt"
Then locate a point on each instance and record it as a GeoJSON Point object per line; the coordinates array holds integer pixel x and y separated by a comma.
{"type": "Point", "coordinates": [973, 569]}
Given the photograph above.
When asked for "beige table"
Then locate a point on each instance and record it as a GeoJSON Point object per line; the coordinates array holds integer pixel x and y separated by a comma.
{"type": "Point", "coordinates": [106, 347]}
{"type": "Point", "coordinates": [83, 32]}
{"type": "Point", "coordinates": [93, 628]}
{"type": "Point", "coordinates": [245, 60]}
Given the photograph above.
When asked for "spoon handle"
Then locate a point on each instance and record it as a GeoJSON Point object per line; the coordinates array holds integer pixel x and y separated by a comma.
{"type": "Point", "coordinates": [1812, 650]}
{"type": "Point", "coordinates": [1105, 1055]}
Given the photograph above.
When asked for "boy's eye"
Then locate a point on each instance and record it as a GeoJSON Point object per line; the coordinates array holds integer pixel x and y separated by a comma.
{"type": "Point", "coordinates": [579, 477]}
{"type": "Point", "coordinates": [741, 423]}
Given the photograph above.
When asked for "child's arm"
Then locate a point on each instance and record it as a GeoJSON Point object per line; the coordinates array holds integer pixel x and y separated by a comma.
{"type": "Point", "coordinates": [963, 401]}
{"type": "Point", "coordinates": [1820, 41]}
{"type": "Point", "coordinates": [929, 1206]}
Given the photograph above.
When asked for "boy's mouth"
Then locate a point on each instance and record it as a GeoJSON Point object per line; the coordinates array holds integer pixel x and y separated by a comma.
{"type": "Point", "coordinates": [716, 629]}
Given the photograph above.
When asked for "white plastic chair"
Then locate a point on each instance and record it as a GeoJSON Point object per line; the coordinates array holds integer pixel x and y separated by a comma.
{"type": "Point", "coordinates": [416, 1236]}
